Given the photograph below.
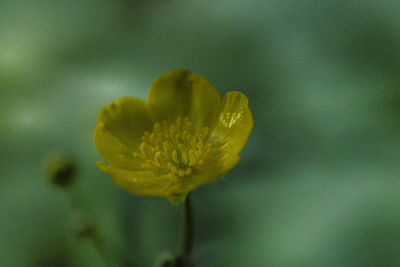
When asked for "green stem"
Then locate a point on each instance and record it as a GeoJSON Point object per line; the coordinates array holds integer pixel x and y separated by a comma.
{"type": "Point", "coordinates": [188, 234]}
{"type": "Point", "coordinates": [86, 229]}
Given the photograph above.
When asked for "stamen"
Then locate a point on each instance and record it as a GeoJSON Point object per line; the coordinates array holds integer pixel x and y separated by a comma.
{"type": "Point", "coordinates": [179, 149]}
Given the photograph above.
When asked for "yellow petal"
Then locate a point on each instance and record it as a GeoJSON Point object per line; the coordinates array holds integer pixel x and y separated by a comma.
{"type": "Point", "coordinates": [145, 183]}
{"type": "Point", "coordinates": [120, 127]}
{"type": "Point", "coordinates": [235, 122]}
{"type": "Point", "coordinates": [229, 162]}
{"type": "Point", "coordinates": [206, 102]}
{"type": "Point", "coordinates": [214, 171]}
{"type": "Point", "coordinates": [181, 93]}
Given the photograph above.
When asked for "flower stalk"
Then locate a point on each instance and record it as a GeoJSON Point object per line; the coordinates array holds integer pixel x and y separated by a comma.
{"type": "Point", "coordinates": [188, 230]}
{"type": "Point", "coordinates": [183, 259]}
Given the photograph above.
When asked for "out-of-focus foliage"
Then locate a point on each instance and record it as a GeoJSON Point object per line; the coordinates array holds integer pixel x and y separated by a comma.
{"type": "Point", "coordinates": [319, 180]}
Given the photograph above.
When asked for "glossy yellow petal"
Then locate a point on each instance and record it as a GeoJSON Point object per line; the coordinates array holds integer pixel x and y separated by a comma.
{"type": "Point", "coordinates": [229, 161]}
{"type": "Point", "coordinates": [145, 183]}
{"type": "Point", "coordinates": [206, 102]}
{"type": "Point", "coordinates": [234, 123]}
{"type": "Point", "coordinates": [214, 170]}
{"type": "Point", "coordinates": [181, 93]}
{"type": "Point", "coordinates": [120, 126]}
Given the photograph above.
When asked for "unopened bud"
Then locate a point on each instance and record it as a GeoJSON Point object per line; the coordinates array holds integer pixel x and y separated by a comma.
{"type": "Point", "coordinates": [59, 169]}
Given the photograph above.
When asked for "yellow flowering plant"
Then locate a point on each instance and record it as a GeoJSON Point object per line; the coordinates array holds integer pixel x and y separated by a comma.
{"type": "Point", "coordinates": [182, 136]}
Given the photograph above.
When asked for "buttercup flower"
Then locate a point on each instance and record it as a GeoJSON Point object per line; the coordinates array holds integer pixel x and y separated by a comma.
{"type": "Point", "coordinates": [182, 136]}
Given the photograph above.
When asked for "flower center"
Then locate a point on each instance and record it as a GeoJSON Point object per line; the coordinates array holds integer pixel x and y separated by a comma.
{"type": "Point", "coordinates": [180, 148]}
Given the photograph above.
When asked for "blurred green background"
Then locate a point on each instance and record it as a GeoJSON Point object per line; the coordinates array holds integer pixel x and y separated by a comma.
{"type": "Point", "coordinates": [318, 183]}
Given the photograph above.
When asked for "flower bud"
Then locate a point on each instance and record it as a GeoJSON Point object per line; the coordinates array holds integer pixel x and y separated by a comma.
{"type": "Point", "coordinates": [59, 169]}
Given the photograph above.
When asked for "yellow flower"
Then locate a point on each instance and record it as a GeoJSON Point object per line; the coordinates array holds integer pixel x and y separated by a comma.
{"type": "Point", "coordinates": [182, 136]}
